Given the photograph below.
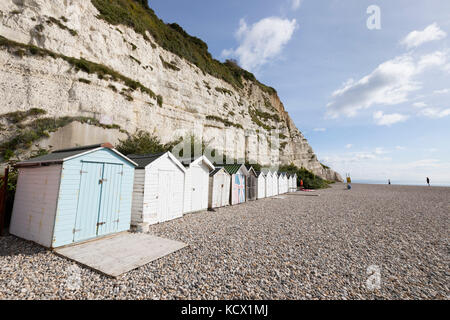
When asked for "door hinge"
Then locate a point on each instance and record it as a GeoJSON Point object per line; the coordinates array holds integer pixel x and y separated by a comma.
{"type": "Point", "coordinates": [81, 172]}
{"type": "Point", "coordinates": [102, 180]}
{"type": "Point", "coordinates": [100, 224]}
{"type": "Point", "coordinates": [76, 230]}
{"type": "Point", "coordinates": [117, 220]}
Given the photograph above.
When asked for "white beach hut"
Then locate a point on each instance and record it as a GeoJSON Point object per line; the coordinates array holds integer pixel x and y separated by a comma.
{"type": "Point", "coordinates": [290, 179]}
{"type": "Point", "coordinates": [282, 183]}
{"type": "Point", "coordinates": [197, 183]}
{"type": "Point", "coordinates": [275, 190]}
{"type": "Point", "coordinates": [219, 188]}
{"type": "Point", "coordinates": [261, 184]}
{"type": "Point", "coordinates": [158, 192]}
{"type": "Point", "coordinates": [269, 183]}
{"type": "Point", "coordinates": [294, 182]}
{"type": "Point", "coordinates": [286, 182]}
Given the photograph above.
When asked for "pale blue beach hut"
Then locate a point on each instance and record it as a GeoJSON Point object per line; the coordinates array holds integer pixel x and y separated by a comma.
{"type": "Point", "coordinates": [73, 195]}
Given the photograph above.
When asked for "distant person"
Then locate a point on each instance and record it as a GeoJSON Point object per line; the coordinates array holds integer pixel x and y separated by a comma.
{"type": "Point", "coordinates": [389, 181]}
{"type": "Point", "coordinates": [428, 182]}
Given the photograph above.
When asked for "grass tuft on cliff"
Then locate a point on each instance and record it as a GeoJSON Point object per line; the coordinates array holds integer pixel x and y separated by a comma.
{"type": "Point", "coordinates": [84, 65]}
{"type": "Point", "coordinates": [33, 131]}
{"type": "Point", "coordinates": [137, 15]}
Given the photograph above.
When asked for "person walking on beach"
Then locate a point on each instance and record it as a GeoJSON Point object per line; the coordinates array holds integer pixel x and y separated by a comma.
{"type": "Point", "coordinates": [389, 181]}
{"type": "Point", "coordinates": [428, 182]}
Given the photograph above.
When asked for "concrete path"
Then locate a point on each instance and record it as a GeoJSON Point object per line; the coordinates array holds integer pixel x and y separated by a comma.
{"type": "Point", "coordinates": [121, 253]}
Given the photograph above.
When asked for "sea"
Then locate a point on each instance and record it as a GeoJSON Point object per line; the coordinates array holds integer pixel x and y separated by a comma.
{"type": "Point", "coordinates": [402, 183]}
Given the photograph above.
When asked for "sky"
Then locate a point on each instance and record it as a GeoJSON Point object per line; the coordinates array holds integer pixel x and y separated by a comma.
{"type": "Point", "coordinates": [366, 82]}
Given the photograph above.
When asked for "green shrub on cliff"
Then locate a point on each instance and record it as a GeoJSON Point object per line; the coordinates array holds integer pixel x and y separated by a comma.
{"type": "Point", "coordinates": [310, 180]}
{"type": "Point", "coordinates": [141, 143]}
{"type": "Point", "coordinates": [37, 129]}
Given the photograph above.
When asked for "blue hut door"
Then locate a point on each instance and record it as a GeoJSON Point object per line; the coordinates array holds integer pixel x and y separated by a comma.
{"type": "Point", "coordinates": [98, 200]}
{"type": "Point", "coordinates": [88, 201]}
{"type": "Point", "coordinates": [108, 220]}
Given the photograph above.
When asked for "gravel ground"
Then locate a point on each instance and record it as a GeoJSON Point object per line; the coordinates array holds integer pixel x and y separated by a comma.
{"type": "Point", "coordinates": [300, 247]}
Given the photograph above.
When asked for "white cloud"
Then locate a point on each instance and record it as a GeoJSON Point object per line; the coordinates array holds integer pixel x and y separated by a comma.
{"type": "Point", "coordinates": [389, 84]}
{"type": "Point", "coordinates": [442, 91]}
{"type": "Point", "coordinates": [435, 59]}
{"type": "Point", "coordinates": [349, 146]}
{"type": "Point", "coordinates": [262, 41]}
{"type": "Point", "coordinates": [419, 104]}
{"type": "Point", "coordinates": [295, 4]}
{"type": "Point", "coordinates": [320, 129]}
{"type": "Point", "coordinates": [400, 148]}
{"type": "Point", "coordinates": [436, 113]}
{"type": "Point", "coordinates": [382, 119]}
{"type": "Point", "coordinates": [380, 150]}
{"type": "Point", "coordinates": [417, 38]}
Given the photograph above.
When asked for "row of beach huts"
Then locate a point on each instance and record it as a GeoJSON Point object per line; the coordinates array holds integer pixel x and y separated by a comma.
{"type": "Point", "coordinates": [83, 193]}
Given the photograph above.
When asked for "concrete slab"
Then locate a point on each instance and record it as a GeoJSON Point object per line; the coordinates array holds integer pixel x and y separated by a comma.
{"type": "Point", "coordinates": [121, 253]}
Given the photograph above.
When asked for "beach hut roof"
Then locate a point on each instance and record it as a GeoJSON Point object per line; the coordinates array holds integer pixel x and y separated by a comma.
{"type": "Point", "coordinates": [59, 156]}
{"type": "Point", "coordinates": [250, 169]}
{"type": "Point", "coordinates": [234, 168]}
{"type": "Point", "coordinates": [188, 162]}
{"type": "Point", "coordinates": [260, 173]}
{"type": "Point", "coordinates": [146, 159]}
{"type": "Point", "coordinates": [216, 171]}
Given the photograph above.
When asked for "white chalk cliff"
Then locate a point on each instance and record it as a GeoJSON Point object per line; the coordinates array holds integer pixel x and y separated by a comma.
{"type": "Point", "coordinates": [190, 100]}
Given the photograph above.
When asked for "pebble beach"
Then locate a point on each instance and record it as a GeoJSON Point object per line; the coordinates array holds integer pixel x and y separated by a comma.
{"type": "Point", "coordinates": [371, 242]}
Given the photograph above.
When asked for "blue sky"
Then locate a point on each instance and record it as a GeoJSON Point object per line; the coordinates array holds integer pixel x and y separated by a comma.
{"type": "Point", "coordinates": [374, 103]}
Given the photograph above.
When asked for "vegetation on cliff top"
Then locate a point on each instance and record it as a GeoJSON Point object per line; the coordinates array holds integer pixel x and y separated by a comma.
{"type": "Point", "coordinates": [137, 15]}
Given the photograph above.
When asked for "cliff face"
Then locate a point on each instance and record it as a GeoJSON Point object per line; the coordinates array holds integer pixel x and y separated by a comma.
{"type": "Point", "coordinates": [59, 56]}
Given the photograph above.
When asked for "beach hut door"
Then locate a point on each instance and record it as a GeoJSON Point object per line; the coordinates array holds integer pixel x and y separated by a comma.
{"type": "Point", "coordinates": [110, 199]}
{"type": "Point", "coordinates": [98, 200]}
{"type": "Point", "coordinates": [163, 195]}
{"type": "Point", "coordinates": [220, 190]}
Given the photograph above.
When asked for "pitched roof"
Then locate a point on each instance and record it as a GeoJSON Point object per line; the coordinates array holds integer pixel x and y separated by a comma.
{"type": "Point", "coordinates": [61, 155]}
{"type": "Point", "coordinates": [146, 159]}
{"type": "Point", "coordinates": [217, 170]}
{"type": "Point", "coordinates": [259, 173]}
{"type": "Point", "coordinates": [232, 168]}
{"type": "Point", "coordinates": [187, 162]}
